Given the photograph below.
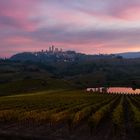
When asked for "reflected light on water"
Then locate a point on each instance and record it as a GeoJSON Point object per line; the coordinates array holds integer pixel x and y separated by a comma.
{"type": "Point", "coordinates": [123, 90]}
{"type": "Point", "coordinates": [115, 90]}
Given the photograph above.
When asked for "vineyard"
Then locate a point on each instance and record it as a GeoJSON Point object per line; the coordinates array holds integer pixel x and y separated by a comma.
{"type": "Point", "coordinates": [70, 115]}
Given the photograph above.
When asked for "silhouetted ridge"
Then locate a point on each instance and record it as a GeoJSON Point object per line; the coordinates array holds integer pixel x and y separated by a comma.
{"type": "Point", "coordinates": [130, 55]}
{"type": "Point", "coordinates": [57, 55]}
{"type": "Point", "coordinates": [25, 56]}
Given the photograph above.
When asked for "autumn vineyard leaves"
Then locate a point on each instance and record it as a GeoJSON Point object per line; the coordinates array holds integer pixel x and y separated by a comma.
{"type": "Point", "coordinates": [72, 109]}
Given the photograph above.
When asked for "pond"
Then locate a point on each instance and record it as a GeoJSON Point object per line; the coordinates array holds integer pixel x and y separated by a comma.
{"type": "Point", "coordinates": [118, 90]}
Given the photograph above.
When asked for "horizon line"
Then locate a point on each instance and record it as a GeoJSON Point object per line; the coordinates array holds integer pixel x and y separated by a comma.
{"type": "Point", "coordinates": [64, 50]}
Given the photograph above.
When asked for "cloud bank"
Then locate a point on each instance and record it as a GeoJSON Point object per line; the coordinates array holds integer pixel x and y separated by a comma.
{"type": "Point", "coordinates": [89, 26]}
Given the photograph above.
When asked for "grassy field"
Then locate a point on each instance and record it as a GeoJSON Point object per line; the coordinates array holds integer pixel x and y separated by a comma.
{"type": "Point", "coordinates": [69, 114]}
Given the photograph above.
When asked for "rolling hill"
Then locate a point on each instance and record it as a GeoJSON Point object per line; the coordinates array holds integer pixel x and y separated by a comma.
{"type": "Point", "coordinates": [130, 54]}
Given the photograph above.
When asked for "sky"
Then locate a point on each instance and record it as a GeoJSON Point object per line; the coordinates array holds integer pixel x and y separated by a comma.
{"type": "Point", "coordinates": [88, 26]}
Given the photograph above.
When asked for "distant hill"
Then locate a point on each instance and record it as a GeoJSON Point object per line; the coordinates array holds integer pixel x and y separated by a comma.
{"type": "Point", "coordinates": [25, 56]}
{"type": "Point", "coordinates": [130, 54]}
{"type": "Point", "coordinates": [37, 71]}
{"type": "Point", "coordinates": [46, 56]}
{"type": "Point", "coordinates": [67, 56]}
{"type": "Point", "coordinates": [56, 55]}
{"type": "Point", "coordinates": [52, 55]}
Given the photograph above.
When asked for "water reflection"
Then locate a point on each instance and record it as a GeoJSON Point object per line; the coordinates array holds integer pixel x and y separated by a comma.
{"type": "Point", "coordinates": [115, 90]}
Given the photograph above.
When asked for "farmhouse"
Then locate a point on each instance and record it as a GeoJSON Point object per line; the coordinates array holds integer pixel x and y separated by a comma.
{"type": "Point", "coordinates": [100, 90]}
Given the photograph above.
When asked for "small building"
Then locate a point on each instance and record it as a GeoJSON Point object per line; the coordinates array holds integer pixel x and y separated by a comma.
{"type": "Point", "coordinates": [99, 90]}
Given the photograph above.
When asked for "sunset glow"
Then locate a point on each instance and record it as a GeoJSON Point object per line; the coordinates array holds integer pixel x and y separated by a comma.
{"type": "Point", "coordinates": [87, 26]}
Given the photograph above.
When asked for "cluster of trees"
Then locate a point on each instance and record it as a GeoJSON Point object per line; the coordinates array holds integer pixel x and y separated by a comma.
{"type": "Point", "coordinates": [109, 71]}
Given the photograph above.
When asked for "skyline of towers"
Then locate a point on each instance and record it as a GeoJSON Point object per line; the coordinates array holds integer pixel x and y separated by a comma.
{"type": "Point", "coordinates": [54, 50]}
{"type": "Point", "coordinates": [51, 49]}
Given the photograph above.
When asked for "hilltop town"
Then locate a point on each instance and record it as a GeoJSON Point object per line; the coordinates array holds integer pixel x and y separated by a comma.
{"type": "Point", "coordinates": [54, 54]}
{"type": "Point", "coordinates": [50, 54]}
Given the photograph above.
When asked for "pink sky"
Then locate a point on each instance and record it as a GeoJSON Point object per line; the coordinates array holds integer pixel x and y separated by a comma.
{"type": "Point", "coordinates": [88, 26]}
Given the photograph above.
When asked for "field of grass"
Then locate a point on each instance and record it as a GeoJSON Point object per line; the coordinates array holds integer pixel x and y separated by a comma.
{"type": "Point", "coordinates": [70, 114]}
{"type": "Point", "coordinates": [33, 85]}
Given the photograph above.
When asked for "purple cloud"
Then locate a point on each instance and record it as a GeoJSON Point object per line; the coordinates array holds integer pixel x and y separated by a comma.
{"type": "Point", "coordinates": [89, 26]}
